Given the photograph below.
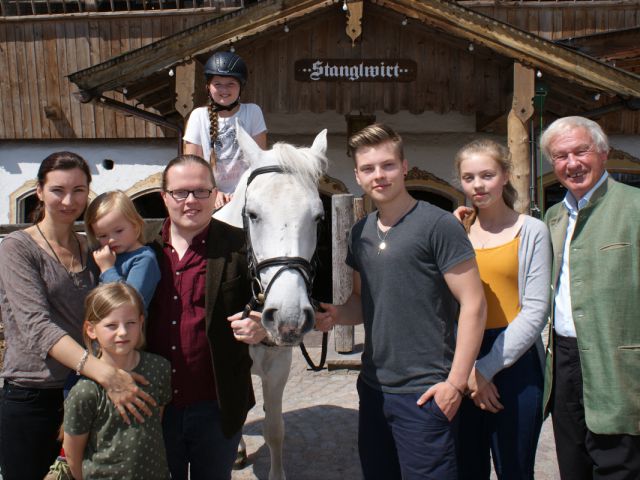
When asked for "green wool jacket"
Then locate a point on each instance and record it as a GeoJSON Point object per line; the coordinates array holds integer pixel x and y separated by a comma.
{"type": "Point", "coordinates": [604, 269]}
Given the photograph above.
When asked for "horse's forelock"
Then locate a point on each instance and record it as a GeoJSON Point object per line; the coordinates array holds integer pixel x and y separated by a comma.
{"type": "Point", "coordinates": [305, 163]}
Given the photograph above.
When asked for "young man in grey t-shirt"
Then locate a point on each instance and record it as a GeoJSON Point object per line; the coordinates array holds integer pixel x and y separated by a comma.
{"type": "Point", "coordinates": [414, 275]}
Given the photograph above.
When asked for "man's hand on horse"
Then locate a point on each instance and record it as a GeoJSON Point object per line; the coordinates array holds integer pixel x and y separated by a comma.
{"type": "Point", "coordinates": [248, 330]}
{"type": "Point", "coordinates": [327, 319]}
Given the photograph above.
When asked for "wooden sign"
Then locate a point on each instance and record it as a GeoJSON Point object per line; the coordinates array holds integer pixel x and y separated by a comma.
{"type": "Point", "coordinates": [347, 70]}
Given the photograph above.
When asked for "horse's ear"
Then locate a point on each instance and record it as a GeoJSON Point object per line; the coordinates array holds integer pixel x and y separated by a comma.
{"type": "Point", "coordinates": [320, 142]}
{"type": "Point", "coordinates": [247, 144]}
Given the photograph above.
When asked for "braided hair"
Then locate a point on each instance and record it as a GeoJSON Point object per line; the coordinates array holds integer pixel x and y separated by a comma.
{"type": "Point", "coordinates": [213, 131]}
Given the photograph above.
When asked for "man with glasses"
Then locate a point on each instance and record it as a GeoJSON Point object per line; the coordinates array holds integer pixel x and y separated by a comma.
{"type": "Point", "coordinates": [204, 282]}
{"type": "Point", "coordinates": [592, 381]}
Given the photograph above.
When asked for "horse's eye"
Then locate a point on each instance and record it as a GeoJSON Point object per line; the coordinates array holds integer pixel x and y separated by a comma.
{"type": "Point", "coordinates": [252, 216]}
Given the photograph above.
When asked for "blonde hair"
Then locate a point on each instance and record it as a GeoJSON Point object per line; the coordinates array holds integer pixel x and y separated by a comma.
{"type": "Point", "coordinates": [500, 154]}
{"type": "Point", "coordinates": [103, 300]}
{"type": "Point", "coordinates": [108, 202]}
{"type": "Point", "coordinates": [374, 135]}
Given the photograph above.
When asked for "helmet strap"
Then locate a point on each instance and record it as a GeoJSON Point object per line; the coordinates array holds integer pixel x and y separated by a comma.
{"type": "Point", "coordinates": [217, 107]}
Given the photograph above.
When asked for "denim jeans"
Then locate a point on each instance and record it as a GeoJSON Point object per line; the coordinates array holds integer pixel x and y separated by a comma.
{"type": "Point", "coordinates": [398, 439]}
{"type": "Point", "coordinates": [511, 435]}
{"type": "Point", "coordinates": [196, 447]}
{"type": "Point", "coordinates": [30, 419]}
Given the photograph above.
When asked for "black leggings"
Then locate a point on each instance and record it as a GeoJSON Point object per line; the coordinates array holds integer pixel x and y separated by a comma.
{"type": "Point", "coordinates": [30, 419]}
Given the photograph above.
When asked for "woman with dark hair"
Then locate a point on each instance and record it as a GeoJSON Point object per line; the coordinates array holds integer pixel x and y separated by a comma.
{"type": "Point", "coordinates": [45, 274]}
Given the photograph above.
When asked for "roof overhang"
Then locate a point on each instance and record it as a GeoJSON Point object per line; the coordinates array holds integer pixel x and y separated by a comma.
{"type": "Point", "coordinates": [449, 17]}
{"type": "Point", "coordinates": [183, 46]}
{"type": "Point", "coordinates": [618, 47]}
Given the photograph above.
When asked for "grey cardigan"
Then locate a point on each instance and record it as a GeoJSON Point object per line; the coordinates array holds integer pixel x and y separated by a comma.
{"type": "Point", "coordinates": [534, 279]}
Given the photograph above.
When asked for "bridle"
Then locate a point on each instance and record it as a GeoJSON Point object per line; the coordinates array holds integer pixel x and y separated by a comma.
{"type": "Point", "coordinates": [306, 269]}
{"type": "Point", "coordinates": [303, 266]}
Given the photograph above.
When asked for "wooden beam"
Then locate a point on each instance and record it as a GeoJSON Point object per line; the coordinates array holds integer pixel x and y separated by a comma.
{"type": "Point", "coordinates": [342, 219]}
{"type": "Point", "coordinates": [496, 124]}
{"type": "Point", "coordinates": [190, 91]}
{"type": "Point", "coordinates": [143, 89]}
{"type": "Point", "coordinates": [158, 103]}
{"type": "Point", "coordinates": [517, 44]}
{"type": "Point", "coordinates": [121, 14]}
{"type": "Point", "coordinates": [518, 133]}
{"type": "Point", "coordinates": [184, 45]}
{"type": "Point", "coordinates": [544, 4]}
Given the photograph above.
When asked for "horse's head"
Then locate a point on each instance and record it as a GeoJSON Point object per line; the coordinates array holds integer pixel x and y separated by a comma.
{"type": "Point", "coordinates": [280, 211]}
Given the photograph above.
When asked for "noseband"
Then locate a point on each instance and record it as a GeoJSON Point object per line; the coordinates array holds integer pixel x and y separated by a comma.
{"type": "Point", "coordinates": [304, 267]}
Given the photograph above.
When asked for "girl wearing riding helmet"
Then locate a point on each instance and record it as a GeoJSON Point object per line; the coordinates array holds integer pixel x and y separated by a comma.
{"type": "Point", "coordinates": [211, 130]}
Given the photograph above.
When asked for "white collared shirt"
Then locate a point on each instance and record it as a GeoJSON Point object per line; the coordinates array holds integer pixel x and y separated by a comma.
{"type": "Point", "coordinates": [563, 318]}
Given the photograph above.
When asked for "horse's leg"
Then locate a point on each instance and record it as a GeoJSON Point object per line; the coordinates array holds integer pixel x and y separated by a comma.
{"type": "Point", "coordinates": [241, 456]}
{"type": "Point", "coordinates": [274, 366]}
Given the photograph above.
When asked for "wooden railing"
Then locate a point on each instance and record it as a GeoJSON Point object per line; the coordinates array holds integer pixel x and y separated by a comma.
{"type": "Point", "coordinates": [12, 8]}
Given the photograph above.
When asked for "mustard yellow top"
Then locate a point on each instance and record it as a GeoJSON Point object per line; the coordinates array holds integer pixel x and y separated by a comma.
{"type": "Point", "coordinates": [499, 273]}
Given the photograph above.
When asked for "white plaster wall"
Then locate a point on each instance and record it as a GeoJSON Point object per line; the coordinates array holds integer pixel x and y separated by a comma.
{"type": "Point", "coordinates": [134, 161]}
{"type": "Point", "coordinates": [431, 141]}
{"type": "Point", "coordinates": [430, 152]}
{"type": "Point", "coordinates": [626, 143]}
{"type": "Point", "coordinates": [403, 122]}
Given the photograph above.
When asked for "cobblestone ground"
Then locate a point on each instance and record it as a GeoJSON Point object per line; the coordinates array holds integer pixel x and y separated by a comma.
{"type": "Point", "coordinates": [320, 414]}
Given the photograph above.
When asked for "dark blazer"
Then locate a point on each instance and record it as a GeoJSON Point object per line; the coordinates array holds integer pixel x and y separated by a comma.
{"type": "Point", "coordinates": [228, 291]}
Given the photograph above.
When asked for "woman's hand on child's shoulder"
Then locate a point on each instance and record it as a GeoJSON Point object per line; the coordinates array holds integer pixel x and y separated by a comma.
{"type": "Point", "coordinates": [128, 397]}
{"type": "Point", "coordinates": [104, 258]}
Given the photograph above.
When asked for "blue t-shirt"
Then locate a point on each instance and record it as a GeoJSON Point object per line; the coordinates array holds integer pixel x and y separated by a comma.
{"type": "Point", "coordinates": [139, 269]}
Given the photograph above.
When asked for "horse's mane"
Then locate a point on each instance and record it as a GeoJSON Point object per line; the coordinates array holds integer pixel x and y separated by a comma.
{"type": "Point", "coordinates": [305, 163]}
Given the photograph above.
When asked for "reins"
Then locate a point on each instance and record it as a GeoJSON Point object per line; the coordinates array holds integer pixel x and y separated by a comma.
{"type": "Point", "coordinates": [303, 266]}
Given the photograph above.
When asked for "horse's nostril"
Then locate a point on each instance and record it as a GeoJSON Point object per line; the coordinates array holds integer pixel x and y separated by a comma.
{"type": "Point", "coordinates": [309, 320]}
{"type": "Point", "coordinates": [268, 316]}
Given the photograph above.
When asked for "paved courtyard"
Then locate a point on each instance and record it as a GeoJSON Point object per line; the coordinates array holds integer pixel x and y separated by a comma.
{"type": "Point", "coordinates": [320, 414]}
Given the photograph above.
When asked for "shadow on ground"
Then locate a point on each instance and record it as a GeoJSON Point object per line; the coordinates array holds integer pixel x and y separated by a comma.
{"type": "Point", "coordinates": [326, 448]}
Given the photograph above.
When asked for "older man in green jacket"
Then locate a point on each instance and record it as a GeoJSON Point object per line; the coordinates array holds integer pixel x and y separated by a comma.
{"type": "Point", "coordinates": [592, 384]}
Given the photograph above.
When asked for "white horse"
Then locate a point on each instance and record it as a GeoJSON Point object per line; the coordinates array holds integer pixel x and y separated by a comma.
{"type": "Point", "coordinates": [277, 203]}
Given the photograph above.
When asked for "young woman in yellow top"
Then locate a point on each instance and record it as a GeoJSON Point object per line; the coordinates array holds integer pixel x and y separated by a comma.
{"type": "Point", "coordinates": [503, 414]}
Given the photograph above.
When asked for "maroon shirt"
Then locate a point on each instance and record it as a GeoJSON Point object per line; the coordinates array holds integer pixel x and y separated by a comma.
{"type": "Point", "coordinates": [176, 327]}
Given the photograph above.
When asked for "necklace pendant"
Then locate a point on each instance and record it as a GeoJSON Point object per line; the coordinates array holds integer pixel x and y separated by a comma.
{"type": "Point", "coordinates": [382, 245]}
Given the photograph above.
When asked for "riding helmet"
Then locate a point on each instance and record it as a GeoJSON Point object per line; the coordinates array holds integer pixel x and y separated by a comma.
{"type": "Point", "coordinates": [226, 64]}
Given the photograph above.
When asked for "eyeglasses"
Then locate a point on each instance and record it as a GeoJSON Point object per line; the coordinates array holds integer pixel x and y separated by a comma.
{"type": "Point", "coordinates": [579, 153]}
{"type": "Point", "coordinates": [200, 193]}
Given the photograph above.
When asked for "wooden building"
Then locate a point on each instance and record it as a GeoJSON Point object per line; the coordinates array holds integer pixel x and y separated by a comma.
{"type": "Point", "coordinates": [116, 81]}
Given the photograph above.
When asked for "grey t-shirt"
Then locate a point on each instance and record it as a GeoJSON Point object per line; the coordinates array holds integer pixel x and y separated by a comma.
{"type": "Point", "coordinates": [409, 313]}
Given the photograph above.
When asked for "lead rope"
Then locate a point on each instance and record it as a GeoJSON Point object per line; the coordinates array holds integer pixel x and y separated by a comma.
{"type": "Point", "coordinates": [323, 349]}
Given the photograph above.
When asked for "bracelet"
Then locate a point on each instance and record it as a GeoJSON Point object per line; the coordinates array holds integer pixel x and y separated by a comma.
{"type": "Point", "coordinates": [82, 361]}
{"type": "Point", "coordinates": [457, 389]}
